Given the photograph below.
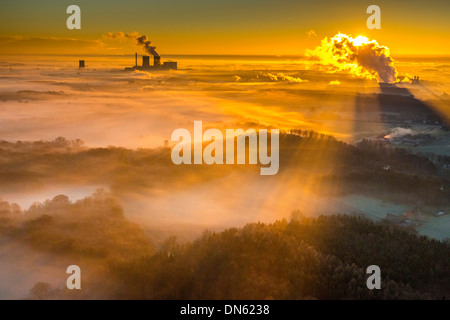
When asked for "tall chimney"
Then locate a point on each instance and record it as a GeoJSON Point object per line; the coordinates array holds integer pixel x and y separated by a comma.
{"type": "Point", "coordinates": [146, 61]}
{"type": "Point", "coordinates": [135, 58]}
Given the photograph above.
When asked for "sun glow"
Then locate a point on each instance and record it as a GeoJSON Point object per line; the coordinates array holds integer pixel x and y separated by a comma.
{"type": "Point", "coordinates": [361, 57]}
{"type": "Point", "coordinates": [359, 40]}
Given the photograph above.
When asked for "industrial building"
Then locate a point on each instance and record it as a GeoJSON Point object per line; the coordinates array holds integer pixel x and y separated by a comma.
{"type": "Point", "coordinates": [156, 63]}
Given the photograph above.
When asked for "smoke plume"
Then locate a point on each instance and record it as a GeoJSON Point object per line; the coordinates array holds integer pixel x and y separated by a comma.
{"type": "Point", "coordinates": [141, 40]}
{"type": "Point", "coordinates": [398, 132]}
{"type": "Point", "coordinates": [359, 56]}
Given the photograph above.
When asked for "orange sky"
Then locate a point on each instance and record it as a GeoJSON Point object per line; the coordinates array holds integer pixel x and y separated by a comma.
{"type": "Point", "coordinates": [220, 27]}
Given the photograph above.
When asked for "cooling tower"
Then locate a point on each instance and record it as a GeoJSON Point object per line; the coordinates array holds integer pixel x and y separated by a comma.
{"type": "Point", "coordinates": [146, 61]}
{"type": "Point", "coordinates": [156, 61]}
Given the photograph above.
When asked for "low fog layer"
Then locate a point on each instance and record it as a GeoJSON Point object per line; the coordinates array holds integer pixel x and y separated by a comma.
{"type": "Point", "coordinates": [44, 100]}
{"type": "Point", "coordinates": [117, 126]}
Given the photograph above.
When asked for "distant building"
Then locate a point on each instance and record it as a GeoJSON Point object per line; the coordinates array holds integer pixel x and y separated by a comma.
{"type": "Point", "coordinates": [415, 80]}
{"type": "Point", "coordinates": [167, 65]}
{"type": "Point", "coordinates": [171, 65]}
{"type": "Point", "coordinates": [81, 64]}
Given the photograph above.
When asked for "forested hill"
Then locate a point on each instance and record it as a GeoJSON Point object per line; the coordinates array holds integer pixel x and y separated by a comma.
{"type": "Point", "coordinates": [304, 258]}
{"type": "Point", "coordinates": [324, 258]}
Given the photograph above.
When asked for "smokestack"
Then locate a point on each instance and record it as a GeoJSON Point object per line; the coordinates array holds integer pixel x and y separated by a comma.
{"type": "Point", "coordinates": [156, 56]}
{"type": "Point", "coordinates": [81, 64]}
{"type": "Point", "coordinates": [146, 61]}
{"type": "Point", "coordinates": [135, 59]}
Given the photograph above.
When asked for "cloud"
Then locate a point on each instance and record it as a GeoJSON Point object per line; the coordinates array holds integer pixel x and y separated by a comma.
{"type": "Point", "coordinates": [334, 83]}
{"type": "Point", "coordinates": [283, 77]}
{"type": "Point", "coordinates": [359, 56]}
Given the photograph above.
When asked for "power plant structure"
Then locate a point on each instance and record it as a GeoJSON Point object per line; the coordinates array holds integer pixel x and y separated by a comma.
{"type": "Point", "coordinates": [156, 65]}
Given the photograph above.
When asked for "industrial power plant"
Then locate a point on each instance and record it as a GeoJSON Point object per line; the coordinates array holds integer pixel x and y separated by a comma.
{"type": "Point", "coordinates": [156, 65]}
